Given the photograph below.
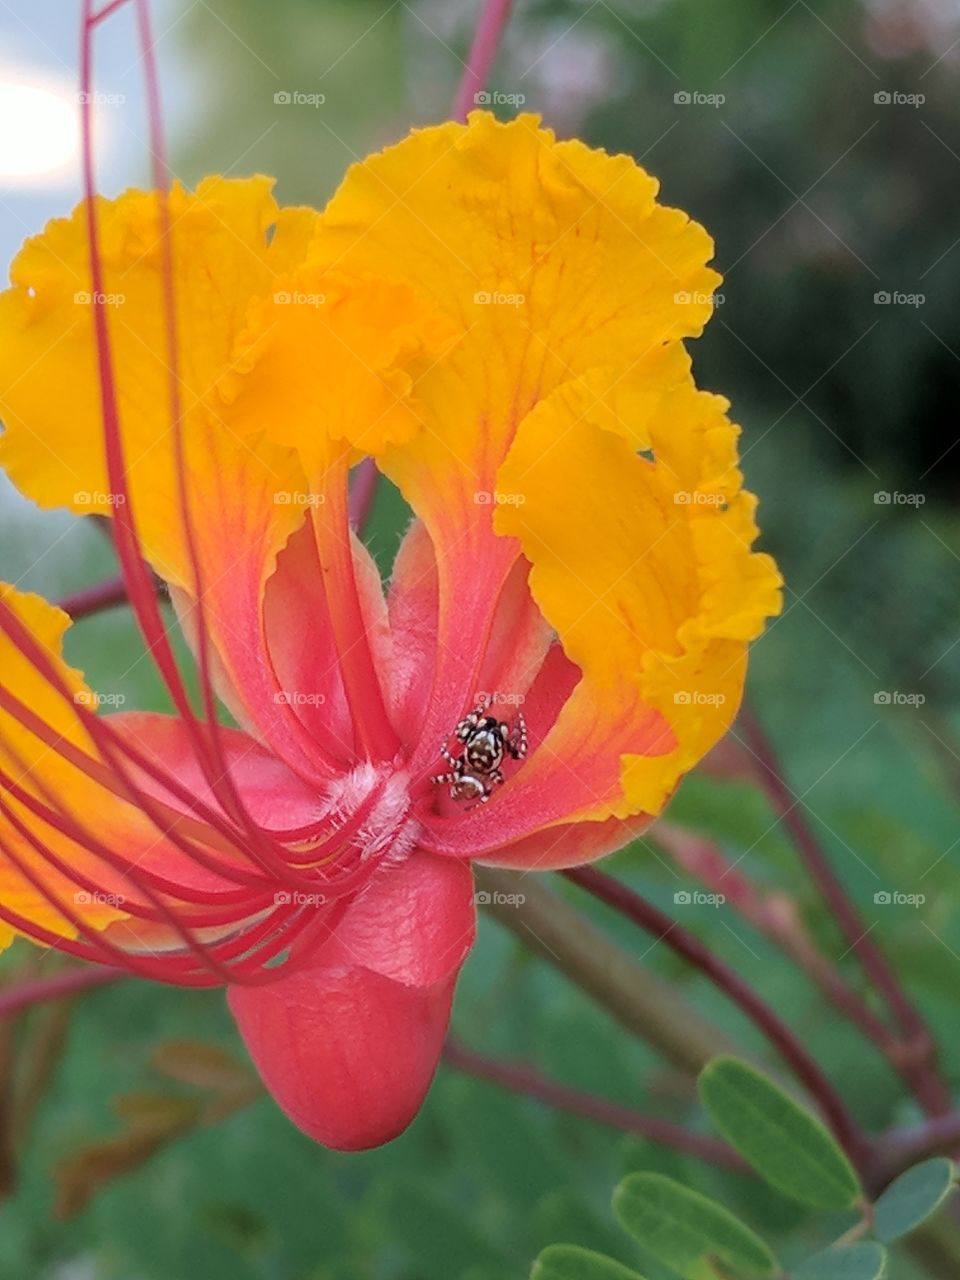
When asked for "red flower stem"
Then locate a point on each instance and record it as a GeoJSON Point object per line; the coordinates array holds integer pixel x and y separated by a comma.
{"type": "Point", "coordinates": [660, 925]}
{"type": "Point", "coordinates": [531, 1084]}
{"type": "Point", "coordinates": [363, 490]}
{"type": "Point", "coordinates": [483, 52]}
{"type": "Point", "coordinates": [95, 599]}
{"type": "Point", "coordinates": [777, 916]}
{"type": "Point", "coordinates": [927, 1085]}
{"type": "Point", "coordinates": [68, 983]}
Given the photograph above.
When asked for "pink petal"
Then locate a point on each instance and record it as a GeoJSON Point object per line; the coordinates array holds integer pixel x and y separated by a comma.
{"type": "Point", "coordinates": [348, 1043]}
{"type": "Point", "coordinates": [413, 603]}
{"type": "Point", "coordinates": [275, 797]}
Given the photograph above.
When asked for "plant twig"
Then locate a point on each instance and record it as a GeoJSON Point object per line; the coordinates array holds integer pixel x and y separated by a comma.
{"type": "Point", "coordinates": [95, 599]}
{"type": "Point", "coordinates": [775, 914]}
{"type": "Point", "coordinates": [483, 52]}
{"type": "Point", "coordinates": [531, 1084]}
{"type": "Point", "coordinates": [67, 983]}
{"type": "Point", "coordinates": [920, 1059]}
{"type": "Point", "coordinates": [898, 1149]}
{"type": "Point", "coordinates": [660, 925]}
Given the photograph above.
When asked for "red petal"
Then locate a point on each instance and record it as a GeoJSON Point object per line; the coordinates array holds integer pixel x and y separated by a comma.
{"type": "Point", "coordinates": [276, 798]}
{"type": "Point", "coordinates": [348, 1043]}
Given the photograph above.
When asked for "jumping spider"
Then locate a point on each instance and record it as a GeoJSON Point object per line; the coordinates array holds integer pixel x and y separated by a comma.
{"type": "Point", "coordinates": [486, 741]}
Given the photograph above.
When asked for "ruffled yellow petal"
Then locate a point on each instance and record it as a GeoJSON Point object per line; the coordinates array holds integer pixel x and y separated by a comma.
{"type": "Point", "coordinates": [37, 767]}
{"type": "Point", "coordinates": [550, 258]}
{"type": "Point", "coordinates": [640, 538]}
{"type": "Point", "coordinates": [229, 241]}
{"type": "Point", "coordinates": [330, 360]}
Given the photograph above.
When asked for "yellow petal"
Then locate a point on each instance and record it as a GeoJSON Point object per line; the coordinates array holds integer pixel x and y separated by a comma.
{"type": "Point", "coordinates": [40, 769]}
{"type": "Point", "coordinates": [549, 256]}
{"type": "Point", "coordinates": [53, 445]}
{"type": "Point", "coordinates": [640, 539]}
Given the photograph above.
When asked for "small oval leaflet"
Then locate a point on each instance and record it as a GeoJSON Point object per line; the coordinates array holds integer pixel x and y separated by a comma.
{"type": "Point", "coordinates": [863, 1261]}
{"type": "Point", "coordinates": [786, 1145]}
{"type": "Point", "coordinates": [913, 1197]}
{"type": "Point", "coordinates": [687, 1232]}
{"type": "Point", "coordinates": [572, 1262]}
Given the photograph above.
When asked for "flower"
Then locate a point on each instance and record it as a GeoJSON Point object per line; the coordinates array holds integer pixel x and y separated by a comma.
{"type": "Point", "coordinates": [497, 318]}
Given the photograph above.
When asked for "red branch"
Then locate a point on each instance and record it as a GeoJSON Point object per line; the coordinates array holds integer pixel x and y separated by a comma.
{"type": "Point", "coordinates": [483, 52]}
{"type": "Point", "coordinates": [68, 983]}
{"type": "Point", "coordinates": [531, 1084]}
{"type": "Point", "coordinates": [673, 935]}
{"type": "Point", "coordinates": [95, 599]}
{"type": "Point", "coordinates": [927, 1085]}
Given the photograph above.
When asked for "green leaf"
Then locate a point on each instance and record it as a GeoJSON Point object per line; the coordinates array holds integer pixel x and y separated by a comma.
{"type": "Point", "coordinates": [570, 1262]}
{"type": "Point", "coordinates": [785, 1144]}
{"type": "Point", "coordinates": [686, 1231]}
{"type": "Point", "coordinates": [863, 1261]}
{"type": "Point", "coordinates": [913, 1197]}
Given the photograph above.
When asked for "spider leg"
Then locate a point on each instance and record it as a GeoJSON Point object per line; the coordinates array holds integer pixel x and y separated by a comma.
{"type": "Point", "coordinates": [483, 799]}
{"type": "Point", "coordinates": [451, 759]}
{"type": "Point", "coordinates": [516, 744]}
{"type": "Point", "coordinates": [468, 724]}
{"type": "Point", "coordinates": [441, 778]}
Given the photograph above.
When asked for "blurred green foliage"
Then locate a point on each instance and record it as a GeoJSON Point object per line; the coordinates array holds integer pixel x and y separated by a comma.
{"type": "Point", "coordinates": [818, 198]}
